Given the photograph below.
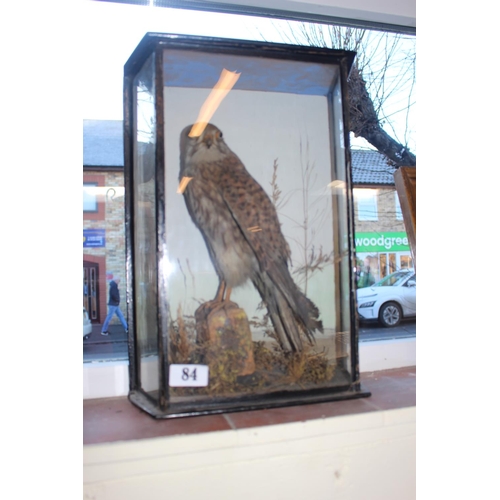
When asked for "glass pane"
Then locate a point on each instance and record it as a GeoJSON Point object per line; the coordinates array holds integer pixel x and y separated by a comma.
{"type": "Point", "coordinates": [145, 268]}
{"type": "Point", "coordinates": [264, 183]}
{"type": "Point", "coordinates": [392, 263]}
{"type": "Point", "coordinates": [399, 213]}
{"type": "Point", "coordinates": [383, 265]}
{"type": "Point", "coordinates": [406, 262]}
{"type": "Point", "coordinates": [89, 197]}
{"type": "Point", "coordinates": [366, 201]}
{"type": "Point", "coordinates": [342, 258]}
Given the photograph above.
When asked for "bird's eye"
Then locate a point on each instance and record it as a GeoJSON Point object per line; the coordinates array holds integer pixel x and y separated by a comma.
{"type": "Point", "coordinates": [219, 135]}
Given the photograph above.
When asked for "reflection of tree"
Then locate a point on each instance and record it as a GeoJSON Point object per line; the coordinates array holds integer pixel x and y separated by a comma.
{"type": "Point", "coordinates": [146, 126]}
{"type": "Point", "coordinates": [384, 71]}
{"type": "Point", "coordinates": [145, 113]}
{"type": "Point", "coordinates": [145, 211]}
{"type": "Point", "coordinates": [145, 96]}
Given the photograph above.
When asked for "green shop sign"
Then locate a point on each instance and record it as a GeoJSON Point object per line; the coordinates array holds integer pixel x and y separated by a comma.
{"type": "Point", "coordinates": [381, 242]}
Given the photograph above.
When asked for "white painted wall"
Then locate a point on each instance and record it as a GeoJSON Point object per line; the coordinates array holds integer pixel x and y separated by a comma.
{"type": "Point", "coordinates": [361, 457]}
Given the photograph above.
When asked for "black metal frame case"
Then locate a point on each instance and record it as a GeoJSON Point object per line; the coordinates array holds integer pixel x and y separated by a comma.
{"type": "Point", "coordinates": [286, 119]}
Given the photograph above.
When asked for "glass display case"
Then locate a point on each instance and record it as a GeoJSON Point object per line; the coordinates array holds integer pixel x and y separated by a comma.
{"type": "Point", "coordinates": [240, 253]}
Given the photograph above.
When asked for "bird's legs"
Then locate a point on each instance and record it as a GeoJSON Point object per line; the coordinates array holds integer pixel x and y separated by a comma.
{"type": "Point", "coordinates": [219, 296]}
{"type": "Point", "coordinates": [221, 299]}
{"type": "Point", "coordinates": [204, 315]}
{"type": "Point", "coordinates": [223, 292]}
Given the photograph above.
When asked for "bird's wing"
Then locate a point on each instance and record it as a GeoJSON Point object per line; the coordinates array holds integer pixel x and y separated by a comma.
{"type": "Point", "coordinates": [256, 216]}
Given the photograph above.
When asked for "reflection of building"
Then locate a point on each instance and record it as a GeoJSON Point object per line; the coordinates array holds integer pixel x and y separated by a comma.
{"type": "Point", "coordinates": [380, 235]}
{"type": "Point", "coordinates": [103, 214]}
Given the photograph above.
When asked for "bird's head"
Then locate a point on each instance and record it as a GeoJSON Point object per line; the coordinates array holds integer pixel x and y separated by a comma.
{"type": "Point", "coordinates": [207, 146]}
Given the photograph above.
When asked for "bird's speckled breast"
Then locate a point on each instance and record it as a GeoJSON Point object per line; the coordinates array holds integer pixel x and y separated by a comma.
{"type": "Point", "coordinates": [234, 257]}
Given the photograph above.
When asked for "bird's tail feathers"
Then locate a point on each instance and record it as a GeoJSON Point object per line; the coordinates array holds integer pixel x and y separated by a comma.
{"type": "Point", "coordinates": [308, 313]}
{"type": "Point", "coordinates": [304, 308]}
{"type": "Point", "coordinates": [292, 313]}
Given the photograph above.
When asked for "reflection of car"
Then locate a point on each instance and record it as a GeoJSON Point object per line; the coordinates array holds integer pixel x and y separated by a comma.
{"type": "Point", "coordinates": [389, 300]}
{"type": "Point", "coordinates": [87, 325]}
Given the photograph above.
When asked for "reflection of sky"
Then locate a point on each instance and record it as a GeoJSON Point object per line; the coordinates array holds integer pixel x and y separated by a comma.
{"type": "Point", "coordinates": [201, 70]}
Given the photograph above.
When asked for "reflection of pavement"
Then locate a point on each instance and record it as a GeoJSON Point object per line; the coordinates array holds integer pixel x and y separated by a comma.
{"type": "Point", "coordinates": [114, 347]}
{"type": "Point", "coordinates": [116, 334]}
{"type": "Point", "coordinates": [106, 348]}
{"type": "Point", "coordinates": [373, 331]}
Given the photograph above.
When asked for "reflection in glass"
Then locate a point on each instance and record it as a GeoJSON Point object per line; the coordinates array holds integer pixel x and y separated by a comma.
{"type": "Point", "coordinates": [89, 197]}
{"type": "Point", "coordinates": [145, 228]}
{"type": "Point", "coordinates": [340, 207]}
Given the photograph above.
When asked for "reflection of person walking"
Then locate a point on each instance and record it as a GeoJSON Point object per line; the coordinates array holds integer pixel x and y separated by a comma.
{"type": "Point", "coordinates": [114, 307]}
{"type": "Point", "coordinates": [366, 277]}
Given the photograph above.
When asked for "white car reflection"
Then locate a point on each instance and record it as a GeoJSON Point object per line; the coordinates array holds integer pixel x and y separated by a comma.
{"type": "Point", "coordinates": [87, 325]}
{"type": "Point", "coordinates": [389, 300]}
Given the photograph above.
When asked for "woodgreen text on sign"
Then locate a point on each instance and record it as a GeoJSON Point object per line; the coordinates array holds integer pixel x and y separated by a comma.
{"type": "Point", "coordinates": [381, 242]}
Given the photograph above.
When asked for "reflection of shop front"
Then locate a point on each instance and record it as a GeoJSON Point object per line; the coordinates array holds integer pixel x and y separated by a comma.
{"type": "Point", "coordinates": [383, 252]}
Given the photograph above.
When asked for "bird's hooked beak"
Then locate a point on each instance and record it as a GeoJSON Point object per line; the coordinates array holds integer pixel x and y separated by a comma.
{"type": "Point", "coordinates": [208, 139]}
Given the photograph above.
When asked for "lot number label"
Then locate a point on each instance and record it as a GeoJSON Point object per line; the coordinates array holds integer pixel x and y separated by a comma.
{"type": "Point", "coordinates": [188, 376]}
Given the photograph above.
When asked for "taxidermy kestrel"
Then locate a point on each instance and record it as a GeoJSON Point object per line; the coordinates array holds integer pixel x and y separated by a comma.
{"type": "Point", "coordinates": [242, 232]}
